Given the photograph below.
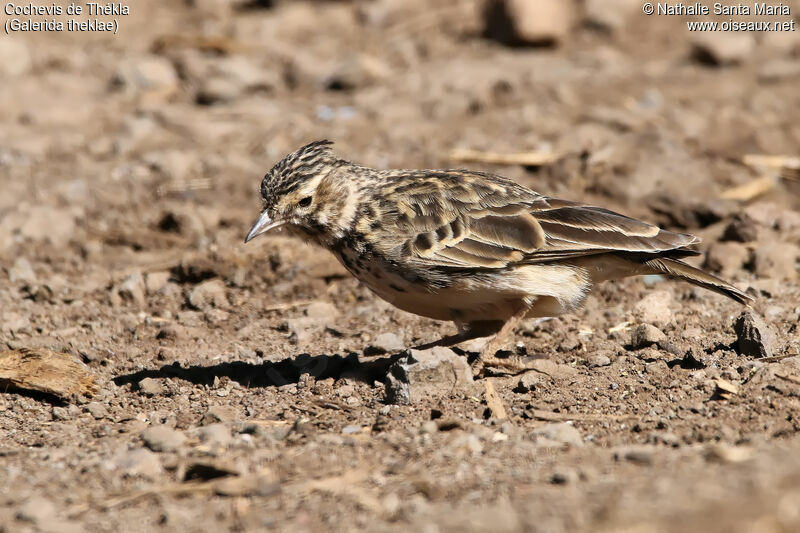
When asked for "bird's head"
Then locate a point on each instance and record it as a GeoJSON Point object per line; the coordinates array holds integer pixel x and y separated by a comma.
{"type": "Point", "coordinates": [302, 192]}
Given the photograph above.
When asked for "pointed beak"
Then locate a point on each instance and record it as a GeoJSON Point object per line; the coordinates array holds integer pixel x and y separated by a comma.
{"type": "Point", "coordinates": [262, 225]}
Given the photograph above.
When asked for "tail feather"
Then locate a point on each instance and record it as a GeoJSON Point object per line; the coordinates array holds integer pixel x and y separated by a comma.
{"type": "Point", "coordinates": [679, 269]}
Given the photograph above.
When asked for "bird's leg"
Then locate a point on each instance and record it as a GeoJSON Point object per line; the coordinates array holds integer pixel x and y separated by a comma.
{"type": "Point", "coordinates": [487, 357]}
{"type": "Point", "coordinates": [466, 332]}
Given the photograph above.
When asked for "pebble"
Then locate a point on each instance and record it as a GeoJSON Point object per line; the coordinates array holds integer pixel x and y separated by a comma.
{"type": "Point", "coordinates": [742, 228]}
{"type": "Point", "coordinates": [138, 462]}
{"type": "Point", "coordinates": [15, 57]}
{"type": "Point", "coordinates": [151, 387]}
{"type": "Point", "coordinates": [208, 294]}
{"type": "Point", "coordinates": [36, 509]}
{"type": "Point", "coordinates": [219, 413]}
{"type": "Point", "coordinates": [163, 438]}
{"type": "Point", "coordinates": [97, 409]}
{"type": "Point", "coordinates": [155, 281]}
{"type": "Point", "coordinates": [564, 476]}
{"type": "Point", "coordinates": [646, 335]}
{"type": "Point", "coordinates": [610, 14]}
{"type": "Point", "coordinates": [754, 338]}
{"type": "Point", "coordinates": [654, 308]}
{"type": "Point", "coordinates": [145, 74]}
{"type": "Point", "coordinates": [323, 311]}
{"type": "Point", "coordinates": [598, 360]}
{"type": "Point", "coordinates": [528, 382]}
{"type": "Point", "coordinates": [556, 435]}
{"type": "Point", "coordinates": [642, 455]}
{"type": "Point", "coordinates": [386, 343]}
{"type": "Point", "coordinates": [22, 271]}
{"type": "Point", "coordinates": [727, 257]}
{"type": "Point", "coordinates": [553, 369]}
{"type": "Point", "coordinates": [523, 21]}
{"type": "Point", "coordinates": [132, 289]}
{"type": "Point", "coordinates": [777, 260]}
{"type": "Point", "coordinates": [723, 48]}
{"type": "Point", "coordinates": [426, 373]}
{"type": "Point", "coordinates": [215, 434]}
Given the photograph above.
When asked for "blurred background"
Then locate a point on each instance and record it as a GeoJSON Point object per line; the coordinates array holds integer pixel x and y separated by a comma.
{"type": "Point", "coordinates": [130, 166]}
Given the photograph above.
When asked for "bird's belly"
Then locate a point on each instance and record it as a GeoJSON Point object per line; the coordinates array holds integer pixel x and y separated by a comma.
{"type": "Point", "coordinates": [549, 289]}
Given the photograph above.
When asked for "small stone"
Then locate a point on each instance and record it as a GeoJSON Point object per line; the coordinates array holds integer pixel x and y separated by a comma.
{"type": "Point", "coordinates": [642, 455]}
{"type": "Point", "coordinates": [215, 435]}
{"type": "Point", "coordinates": [36, 509]}
{"type": "Point", "coordinates": [778, 69]}
{"type": "Point", "coordinates": [553, 369]}
{"type": "Point", "coordinates": [60, 413]}
{"type": "Point", "coordinates": [741, 229]}
{"type": "Point", "coordinates": [324, 312]}
{"type": "Point", "coordinates": [97, 409]}
{"type": "Point", "coordinates": [777, 260]}
{"type": "Point", "coordinates": [654, 308]}
{"type": "Point", "coordinates": [426, 373]}
{"type": "Point", "coordinates": [138, 462]}
{"type": "Point", "coordinates": [151, 387]}
{"type": "Point", "coordinates": [646, 335]}
{"type": "Point", "coordinates": [219, 413]}
{"type": "Point", "coordinates": [564, 477]}
{"type": "Point", "coordinates": [597, 360]}
{"type": "Point", "coordinates": [524, 21]}
{"type": "Point", "coordinates": [15, 57]}
{"type": "Point", "coordinates": [727, 258]}
{"type": "Point", "coordinates": [754, 338]}
{"type": "Point", "coordinates": [133, 289]}
{"type": "Point", "coordinates": [723, 48]}
{"type": "Point", "coordinates": [610, 14]}
{"type": "Point", "coordinates": [385, 343]}
{"type": "Point", "coordinates": [163, 438]}
{"type": "Point", "coordinates": [655, 368]}
{"type": "Point", "coordinates": [155, 281]}
{"type": "Point", "coordinates": [527, 383]}
{"type": "Point", "coordinates": [358, 71]}
{"type": "Point", "coordinates": [13, 322]}
{"type": "Point", "coordinates": [21, 271]}
{"type": "Point", "coordinates": [557, 435]}
{"type": "Point", "coordinates": [209, 294]}
{"type": "Point", "coordinates": [145, 74]}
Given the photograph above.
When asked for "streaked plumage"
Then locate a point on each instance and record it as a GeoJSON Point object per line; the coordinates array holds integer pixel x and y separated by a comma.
{"type": "Point", "coordinates": [474, 248]}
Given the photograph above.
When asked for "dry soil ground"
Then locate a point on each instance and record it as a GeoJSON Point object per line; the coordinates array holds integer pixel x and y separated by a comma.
{"type": "Point", "coordinates": [243, 387]}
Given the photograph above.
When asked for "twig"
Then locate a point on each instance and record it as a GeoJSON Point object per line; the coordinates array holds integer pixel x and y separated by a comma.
{"type": "Point", "coordinates": [750, 190]}
{"type": "Point", "coordinates": [587, 417]}
{"type": "Point", "coordinates": [771, 161]}
{"type": "Point", "coordinates": [494, 401]}
{"type": "Point", "coordinates": [789, 378]}
{"type": "Point", "coordinates": [520, 158]}
{"type": "Point", "coordinates": [289, 305]}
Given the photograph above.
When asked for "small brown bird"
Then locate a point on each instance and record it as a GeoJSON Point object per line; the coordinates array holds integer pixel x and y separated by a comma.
{"type": "Point", "coordinates": [470, 247]}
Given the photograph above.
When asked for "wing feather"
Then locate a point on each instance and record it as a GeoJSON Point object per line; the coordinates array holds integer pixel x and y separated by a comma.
{"type": "Point", "coordinates": [479, 221]}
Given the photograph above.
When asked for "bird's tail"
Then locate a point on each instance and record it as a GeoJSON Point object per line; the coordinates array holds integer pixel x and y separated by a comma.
{"type": "Point", "coordinates": [679, 269]}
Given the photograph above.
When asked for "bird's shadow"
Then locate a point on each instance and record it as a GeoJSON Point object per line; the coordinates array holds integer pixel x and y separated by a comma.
{"type": "Point", "coordinates": [274, 374]}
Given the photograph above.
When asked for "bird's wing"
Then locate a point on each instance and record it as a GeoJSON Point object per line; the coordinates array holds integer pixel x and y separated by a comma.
{"type": "Point", "coordinates": [491, 224]}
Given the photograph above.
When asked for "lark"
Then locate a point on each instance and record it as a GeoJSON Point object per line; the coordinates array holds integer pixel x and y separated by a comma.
{"type": "Point", "coordinates": [469, 247]}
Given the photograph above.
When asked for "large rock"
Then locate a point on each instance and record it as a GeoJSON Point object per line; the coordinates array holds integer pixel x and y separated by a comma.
{"type": "Point", "coordinates": [753, 336]}
{"type": "Point", "coordinates": [426, 373]}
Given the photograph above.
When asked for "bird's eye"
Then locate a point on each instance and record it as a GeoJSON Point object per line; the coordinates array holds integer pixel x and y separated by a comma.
{"type": "Point", "coordinates": [305, 202]}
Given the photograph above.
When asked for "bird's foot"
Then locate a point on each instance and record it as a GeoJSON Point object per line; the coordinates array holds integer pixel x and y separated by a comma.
{"type": "Point", "coordinates": [490, 365]}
